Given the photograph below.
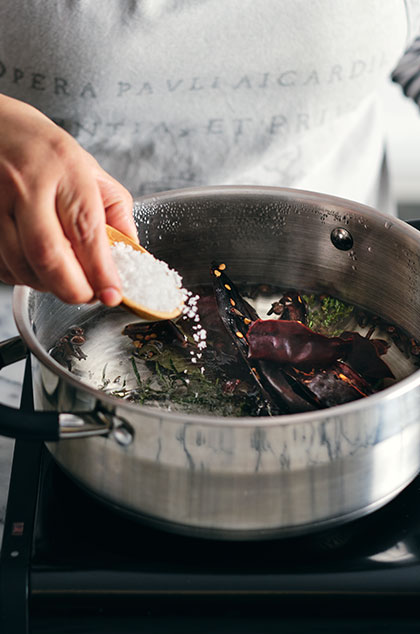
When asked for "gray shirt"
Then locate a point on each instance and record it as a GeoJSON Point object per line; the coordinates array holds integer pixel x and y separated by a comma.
{"type": "Point", "coordinates": [178, 93]}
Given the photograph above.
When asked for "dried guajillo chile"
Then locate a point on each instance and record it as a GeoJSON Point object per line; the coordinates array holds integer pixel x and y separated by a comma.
{"type": "Point", "coordinates": [300, 368]}
{"type": "Point", "coordinates": [292, 343]}
{"type": "Point", "coordinates": [236, 315]}
{"type": "Point", "coordinates": [334, 385]}
{"type": "Point", "coordinates": [363, 356]}
{"type": "Point", "coordinates": [277, 390]}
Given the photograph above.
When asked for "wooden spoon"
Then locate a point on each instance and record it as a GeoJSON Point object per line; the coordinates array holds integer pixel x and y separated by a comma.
{"type": "Point", "coordinates": [138, 309]}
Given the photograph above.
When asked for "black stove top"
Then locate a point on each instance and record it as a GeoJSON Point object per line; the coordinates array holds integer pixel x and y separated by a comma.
{"type": "Point", "coordinates": [71, 564]}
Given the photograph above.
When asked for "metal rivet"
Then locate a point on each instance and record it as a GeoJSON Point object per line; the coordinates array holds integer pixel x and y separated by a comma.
{"type": "Point", "coordinates": [14, 553]}
{"type": "Point", "coordinates": [123, 434]}
{"type": "Point", "coordinates": [341, 238]}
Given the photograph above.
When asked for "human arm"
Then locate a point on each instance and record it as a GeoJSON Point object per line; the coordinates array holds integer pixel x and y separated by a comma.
{"type": "Point", "coordinates": [407, 72]}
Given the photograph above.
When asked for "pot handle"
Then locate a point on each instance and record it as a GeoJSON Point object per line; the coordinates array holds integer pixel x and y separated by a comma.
{"type": "Point", "coordinates": [47, 426]}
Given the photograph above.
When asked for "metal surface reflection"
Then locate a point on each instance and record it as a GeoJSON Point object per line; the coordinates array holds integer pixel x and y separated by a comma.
{"type": "Point", "coordinates": [399, 553]}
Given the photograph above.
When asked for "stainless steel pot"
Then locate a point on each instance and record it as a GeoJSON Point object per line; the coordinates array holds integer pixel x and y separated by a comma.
{"type": "Point", "coordinates": [247, 478]}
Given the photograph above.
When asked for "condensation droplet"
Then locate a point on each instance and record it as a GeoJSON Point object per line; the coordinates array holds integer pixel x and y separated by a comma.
{"type": "Point", "coordinates": [388, 225]}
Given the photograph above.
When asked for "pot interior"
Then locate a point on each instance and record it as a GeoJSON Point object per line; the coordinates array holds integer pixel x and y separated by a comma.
{"type": "Point", "coordinates": [264, 236]}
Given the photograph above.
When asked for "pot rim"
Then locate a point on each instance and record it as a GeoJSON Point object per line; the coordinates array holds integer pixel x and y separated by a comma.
{"type": "Point", "coordinates": [20, 313]}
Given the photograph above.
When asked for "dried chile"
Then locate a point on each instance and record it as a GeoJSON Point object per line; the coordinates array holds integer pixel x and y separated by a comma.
{"type": "Point", "coordinates": [292, 343]}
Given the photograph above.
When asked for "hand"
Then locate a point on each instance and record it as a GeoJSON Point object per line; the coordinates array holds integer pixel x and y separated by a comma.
{"type": "Point", "coordinates": [54, 202]}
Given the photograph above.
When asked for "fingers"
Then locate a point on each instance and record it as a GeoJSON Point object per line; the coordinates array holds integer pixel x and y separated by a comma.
{"type": "Point", "coordinates": [33, 247]}
{"type": "Point", "coordinates": [55, 240]}
{"type": "Point", "coordinates": [80, 211]}
{"type": "Point", "coordinates": [64, 241]}
{"type": "Point", "coordinates": [48, 252]}
{"type": "Point", "coordinates": [118, 205]}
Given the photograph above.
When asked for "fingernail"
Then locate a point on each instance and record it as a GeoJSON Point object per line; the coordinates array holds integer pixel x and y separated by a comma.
{"type": "Point", "coordinates": [110, 296]}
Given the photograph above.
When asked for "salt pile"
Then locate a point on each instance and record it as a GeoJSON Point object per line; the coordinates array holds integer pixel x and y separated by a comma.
{"type": "Point", "coordinates": [146, 280]}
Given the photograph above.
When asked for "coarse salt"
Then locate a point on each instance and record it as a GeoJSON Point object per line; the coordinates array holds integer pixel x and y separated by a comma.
{"type": "Point", "coordinates": [146, 280]}
{"type": "Point", "coordinates": [151, 283]}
